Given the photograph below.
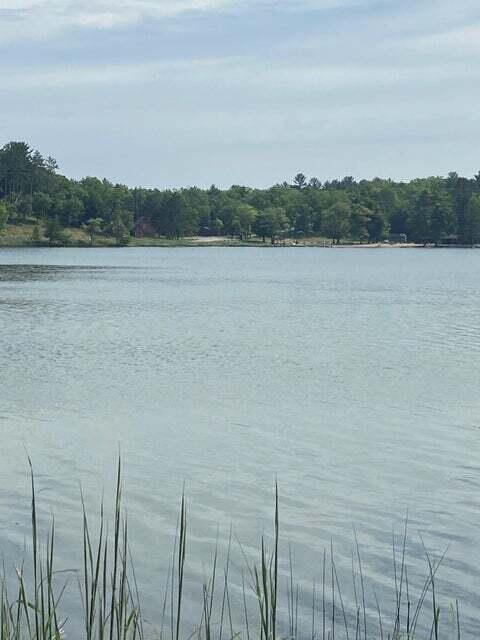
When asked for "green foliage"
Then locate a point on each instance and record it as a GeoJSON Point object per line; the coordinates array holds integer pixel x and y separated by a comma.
{"type": "Point", "coordinates": [3, 216]}
{"type": "Point", "coordinates": [268, 604]}
{"type": "Point", "coordinates": [300, 181]}
{"type": "Point", "coordinates": [271, 222]}
{"type": "Point", "coordinates": [216, 226]}
{"type": "Point", "coordinates": [36, 234]}
{"type": "Point", "coordinates": [172, 216]}
{"type": "Point", "coordinates": [336, 221]}
{"type": "Point", "coordinates": [472, 220]}
{"type": "Point", "coordinates": [24, 206]}
{"type": "Point", "coordinates": [359, 221]}
{"type": "Point", "coordinates": [425, 210]}
{"type": "Point", "coordinates": [54, 232]}
{"type": "Point", "coordinates": [120, 226]}
{"type": "Point", "coordinates": [245, 216]}
{"type": "Point", "coordinates": [93, 227]}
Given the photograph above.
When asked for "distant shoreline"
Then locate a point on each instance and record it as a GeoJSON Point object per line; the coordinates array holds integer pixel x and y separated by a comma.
{"type": "Point", "coordinates": [188, 244]}
{"type": "Point", "coordinates": [20, 236]}
{"type": "Point", "coordinates": [41, 207]}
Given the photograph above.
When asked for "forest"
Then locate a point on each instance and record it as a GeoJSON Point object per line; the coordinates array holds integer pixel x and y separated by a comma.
{"type": "Point", "coordinates": [436, 210]}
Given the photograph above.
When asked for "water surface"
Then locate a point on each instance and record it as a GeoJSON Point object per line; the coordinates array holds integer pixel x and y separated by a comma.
{"type": "Point", "coordinates": [351, 375]}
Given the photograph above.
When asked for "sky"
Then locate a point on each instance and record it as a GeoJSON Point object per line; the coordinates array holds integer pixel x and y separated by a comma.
{"type": "Point", "coordinates": [173, 93]}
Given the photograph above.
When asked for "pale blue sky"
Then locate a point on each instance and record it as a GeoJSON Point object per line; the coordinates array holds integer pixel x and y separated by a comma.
{"type": "Point", "coordinates": [172, 93]}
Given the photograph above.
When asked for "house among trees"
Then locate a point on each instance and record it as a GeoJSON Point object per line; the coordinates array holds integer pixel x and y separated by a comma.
{"type": "Point", "coordinates": [144, 227]}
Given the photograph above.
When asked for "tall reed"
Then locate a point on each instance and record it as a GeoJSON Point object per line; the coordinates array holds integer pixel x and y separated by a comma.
{"type": "Point", "coordinates": [110, 602]}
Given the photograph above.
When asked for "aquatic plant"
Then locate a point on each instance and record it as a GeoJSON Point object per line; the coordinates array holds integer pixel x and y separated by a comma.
{"type": "Point", "coordinates": [109, 597]}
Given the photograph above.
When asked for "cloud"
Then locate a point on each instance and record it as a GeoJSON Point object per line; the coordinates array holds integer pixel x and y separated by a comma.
{"type": "Point", "coordinates": [243, 90]}
{"type": "Point", "coordinates": [41, 18]}
{"type": "Point", "coordinates": [455, 43]}
{"type": "Point", "coordinates": [240, 76]}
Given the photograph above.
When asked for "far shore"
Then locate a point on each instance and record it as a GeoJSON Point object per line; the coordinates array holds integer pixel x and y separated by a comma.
{"type": "Point", "coordinates": [20, 236]}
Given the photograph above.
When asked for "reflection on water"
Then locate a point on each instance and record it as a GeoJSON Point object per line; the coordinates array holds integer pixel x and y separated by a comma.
{"type": "Point", "coordinates": [28, 272]}
{"type": "Point", "coordinates": [353, 376]}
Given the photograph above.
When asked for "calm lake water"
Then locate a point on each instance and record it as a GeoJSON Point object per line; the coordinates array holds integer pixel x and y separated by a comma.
{"type": "Point", "coordinates": [351, 375]}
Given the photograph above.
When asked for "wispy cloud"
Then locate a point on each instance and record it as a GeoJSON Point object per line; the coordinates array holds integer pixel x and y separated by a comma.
{"type": "Point", "coordinates": [243, 90]}
{"type": "Point", "coordinates": [28, 18]}
{"type": "Point", "coordinates": [455, 43]}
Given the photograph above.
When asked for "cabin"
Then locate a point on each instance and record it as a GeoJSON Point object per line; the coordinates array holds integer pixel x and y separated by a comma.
{"type": "Point", "coordinates": [144, 227]}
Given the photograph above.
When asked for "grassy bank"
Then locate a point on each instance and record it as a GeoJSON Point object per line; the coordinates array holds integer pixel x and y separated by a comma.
{"type": "Point", "coordinates": [110, 601]}
{"type": "Point", "coordinates": [23, 235]}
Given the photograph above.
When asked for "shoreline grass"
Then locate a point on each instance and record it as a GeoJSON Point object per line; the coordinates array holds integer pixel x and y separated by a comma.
{"type": "Point", "coordinates": [20, 235]}
{"type": "Point", "coordinates": [110, 600]}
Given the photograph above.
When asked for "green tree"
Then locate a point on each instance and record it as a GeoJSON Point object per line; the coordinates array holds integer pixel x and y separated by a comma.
{"type": "Point", "coordinates": [225, 208]}
{"type": "Point", "coordinates": [93, 226]}
{"type": "Point", "coordinates": [359, 221]}
{"type": "Point", "coordinates": [96, 199]}
{"type": "Point", "coordinates": [36, 234]}
{"type": "Point", "coordinates": [472, 220]}
{"type": "Point", "coordinates": [216, 226]}
{"type": "Point", "coordinates": [300, 181]}
{"type": "Point", "coordinates": [3, 216]}
{"type": "Point", "coordinates": [272, 223]}
{"type": "Point", "coordinates": [302, 218]}
{"type": "Point", "coordinates": [54, 232]}
{"type": "Point", "coordinates": [336, 221]}
{"type": "Point", "coordinates": [16, 169]}
{"type": "Point", "coordinates": [377, 226]}
{"type": "Point", "coordinates": [174, 218]}
{"type": "Point", "coordinates": [246, 216]}
{"type": "Point", "coordinates": [73, 210]}
{"type": "Point", "coordinates": [41, 204]}
{"type": "Point", "coordinates": [120, 227]}
{"type": "Point", "coordinates": [24, 206]}
{"type": "Point", "coordinates": [462, 193]}
{"type": "Point", "coordinates": [198, 203]}
{"type": "Point", "coordinates": [441, 217]}
{"type": "Point", "coordinates": [420, 217]}
{"type": "Point", "coordinates": [235, 227]}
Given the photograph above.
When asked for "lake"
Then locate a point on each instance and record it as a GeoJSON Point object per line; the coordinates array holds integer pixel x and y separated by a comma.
{"type": "Point", "coordinates": [350, 375]}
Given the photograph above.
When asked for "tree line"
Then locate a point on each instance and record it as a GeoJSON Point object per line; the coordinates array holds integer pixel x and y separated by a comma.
{"type": "Point", "coordinates": [426, 210]}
